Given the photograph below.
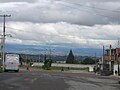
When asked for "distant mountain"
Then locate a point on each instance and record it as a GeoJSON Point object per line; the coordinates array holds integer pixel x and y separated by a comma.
{"type": "Point", "coordinates": [55, 50]}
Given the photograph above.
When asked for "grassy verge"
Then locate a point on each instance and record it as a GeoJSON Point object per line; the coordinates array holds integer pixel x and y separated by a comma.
{"type": "Point", "coordinates": [68, 68]}
{"type": "Point", "coordinates": [1, 71]}
{"type": "Point", "coordinates": [53, 68]}
{"type": "Point", "coordinates": [37, 67]}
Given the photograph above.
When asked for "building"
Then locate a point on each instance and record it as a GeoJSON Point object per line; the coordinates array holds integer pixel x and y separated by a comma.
{"type": "Point", "coordinates": [111, 60]}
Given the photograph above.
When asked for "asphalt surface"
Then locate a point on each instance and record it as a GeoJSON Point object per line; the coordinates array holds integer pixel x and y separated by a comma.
{"type": "Point", "coordinates": [51, 80]}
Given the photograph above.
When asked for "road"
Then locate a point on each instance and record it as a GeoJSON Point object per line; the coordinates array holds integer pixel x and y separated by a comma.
{"type": "Point", "coordinates": [50, 80]}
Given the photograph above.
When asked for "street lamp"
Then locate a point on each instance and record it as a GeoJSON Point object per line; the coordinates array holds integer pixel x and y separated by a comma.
{"type": "Point", "coordinates": [49, 53]}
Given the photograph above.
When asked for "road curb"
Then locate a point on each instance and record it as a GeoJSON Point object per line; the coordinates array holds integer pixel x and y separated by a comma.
{"type": "Point", "coordinates": [114, 76]}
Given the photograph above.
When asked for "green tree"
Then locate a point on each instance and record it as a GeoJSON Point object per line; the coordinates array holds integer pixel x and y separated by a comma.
{"type": "Point", "coordinates": [47, 64]}
{"type": "Point", "coordinates": [88, 60]}
{"type": "Point", "coordinates": [70, 58]}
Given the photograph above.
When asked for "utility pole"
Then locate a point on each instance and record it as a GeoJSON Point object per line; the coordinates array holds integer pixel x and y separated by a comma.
{"type": "Point", "coordinates": [103, 57]}
{"type": "Point", "coordinates": [118, 58]}
{"type": "Point", "coordinates": [50, 53]}
{"type": "Point", "coordinates": [95, 59]}
{"type": "Point", "coordinates": [3, 37]}
{"type": "Point", "coordinates": [0, 51]}
{"type": "Point", "coordinates": [118, 43]}
{"type": "Point", "coordinates": [39, 56]}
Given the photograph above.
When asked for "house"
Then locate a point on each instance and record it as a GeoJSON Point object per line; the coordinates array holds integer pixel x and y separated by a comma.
{"type": "Point", "coordinates": [111, 60]}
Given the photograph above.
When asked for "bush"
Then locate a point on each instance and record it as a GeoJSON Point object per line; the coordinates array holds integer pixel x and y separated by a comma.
{"type": "Point", "coordinates": [47, 64]}
{"type": "Point", "coordinates": [88, 60]}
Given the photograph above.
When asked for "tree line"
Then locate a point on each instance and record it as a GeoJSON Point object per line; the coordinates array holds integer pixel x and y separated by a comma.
{"type": "Point", "coordinates": [71, 59]}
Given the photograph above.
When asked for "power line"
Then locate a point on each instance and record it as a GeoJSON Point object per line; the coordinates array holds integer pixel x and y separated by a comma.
{"type": "Point", "coordinates": [79, 4]}
{"type": "Point", "coordinates": [3, 37]}
{"type": "Point", "coordinates": [21, 30]}
{"type": "Point", "coordinates": [32, 32]}
{"type": "Point", "coordinates": [98, 14]}
{"type": "Point", "coordinates": [63, 36]}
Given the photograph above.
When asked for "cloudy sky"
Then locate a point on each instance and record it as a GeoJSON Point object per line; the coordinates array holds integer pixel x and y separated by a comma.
{"type": "Point", "coordinates": [78, 23]}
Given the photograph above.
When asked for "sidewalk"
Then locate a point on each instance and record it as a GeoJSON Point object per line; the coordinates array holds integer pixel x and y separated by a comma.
{"type": "Point", "coordinates": [115, 76]}
{"type": "Point", "coordinates": [77, 71]}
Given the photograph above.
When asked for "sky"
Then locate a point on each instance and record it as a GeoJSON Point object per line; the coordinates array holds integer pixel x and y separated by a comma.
{"type": "Point", "coordinates": [72, 23]}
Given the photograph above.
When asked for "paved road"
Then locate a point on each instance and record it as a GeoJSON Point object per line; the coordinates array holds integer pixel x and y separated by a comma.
{"type": "Point", "coordinates": [44, 80]}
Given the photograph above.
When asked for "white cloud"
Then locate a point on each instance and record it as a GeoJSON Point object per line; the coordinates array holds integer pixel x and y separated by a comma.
{"type": "Point", "coordinates": [80, 23]}
{"type": "Point", "coordinates": [62, 33]}
{"type": "Point", "coordinates": [52, 11]}
{"type": "Point", "coordinates": [4, 1]}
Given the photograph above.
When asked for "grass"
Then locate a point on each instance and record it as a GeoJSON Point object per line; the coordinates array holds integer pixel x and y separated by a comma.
{"type": "Point", "coordinates": [69, 68]}
{"type": "Point", "coordinates": [1, 71]}
{"type": "Point", "coordinates": [53, 68]}
{"type": "Point", "coordinates": [37, 67]}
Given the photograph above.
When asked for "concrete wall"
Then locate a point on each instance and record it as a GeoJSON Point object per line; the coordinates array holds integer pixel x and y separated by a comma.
{"type": "Point", "coordinates": [91, 68]}
{"type": "Point", "coordinates": [67, 65]}
{"type": "Point", "coordinates": [115, 69]}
